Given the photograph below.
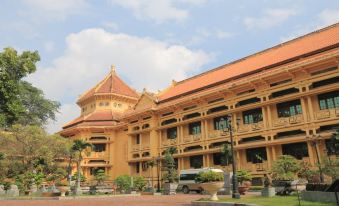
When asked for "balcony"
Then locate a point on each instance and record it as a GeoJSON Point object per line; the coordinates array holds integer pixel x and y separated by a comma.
{"type": "Point", "coordinates": [169, 142]}
{"type": "Point", "coordinates": [256, 167]}
{"type": "Point", "coordinates": [327, 114]}
{"type": "Point", "coordinates": [98, 155]}
{"type": "Point", "coordinates": [251, 127]}
{"type": "Point", "coordinates": [215, 134]}
{"type": "Point", "coordinates": [287, 121]}
{"type": "Point", "coordinates": [145, 146]}
{"type": "Point", "coordinates": [135, 147]}
{"type": "Point", "coordinates": [192, 138]}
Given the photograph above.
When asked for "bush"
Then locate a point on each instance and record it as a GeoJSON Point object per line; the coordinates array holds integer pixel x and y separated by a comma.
{"type": "Point", "coordinates": [209, 176]}
{"type": "Point", "coordinates": [285, 168]}
{"type": "Point", "coordinates": [243, 175]}
{"type": "Point", "coordinates": [170, 175]}
{"type": "Point", "coordinates": [75, 177]}
{"type": "Point", "coordinates": [139, 183]}
{"type": "Point", "coordinates": [316, 187]}
{"type": "Point", "coordinates": [100, 176]}
{"type": "Point", "coordinates": [123, 183]}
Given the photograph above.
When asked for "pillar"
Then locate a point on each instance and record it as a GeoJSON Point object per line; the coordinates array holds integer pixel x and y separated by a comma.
{"type": "Point", "coordinates": [310, 107]}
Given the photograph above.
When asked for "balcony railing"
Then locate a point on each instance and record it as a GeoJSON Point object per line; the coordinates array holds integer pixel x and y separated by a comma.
{"type": "Point", "coordinates": [215, 134]}
{"type": "Point", "coordinates": [98, 154]}
{"type": "Point", "coordinates": [192, 138]}
{"type": "Point", "coordinates": [251, 127]}
{"type": "Point", "coordinates": [327, 113]}
{"type": "Point", "coordinates": [145, 146]}
{"type": "Point", "coordinates": [286, 121]}
{"type": "Point", "coordinates": [135, 147]}
{"type": "Point", "coordinates": [168, 142]}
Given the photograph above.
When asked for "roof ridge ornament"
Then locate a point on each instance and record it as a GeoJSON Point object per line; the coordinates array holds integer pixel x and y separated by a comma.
{"type": "Point", "coordinates": [113, 69]}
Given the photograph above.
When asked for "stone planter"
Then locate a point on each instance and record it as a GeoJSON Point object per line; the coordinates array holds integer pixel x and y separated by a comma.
{"type": "Point", "coordinates": [63, 190]}
{"type": "Point", "coordinates": [170, 188]}
{"type": "Point", "coordinates": [212, 188]}
{"type": "Point", "coordinates": [243, 189]}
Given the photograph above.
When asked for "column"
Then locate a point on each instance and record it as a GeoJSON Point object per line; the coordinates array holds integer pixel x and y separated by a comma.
{"type": "Point", "coordinates": [269, 158]}
{"type": "Point", "coordinates": [304, 109]}
{"type": "Point", "coordinates": [206, 129]}
{"type": "Point", "coordinates": [264, 114]}
{"type": "Point", "coordinates": [270, 124]}
{"type": "Point", "coordinates": [274, 154]}
{"type": "Point", "coordinates": [310, 107]}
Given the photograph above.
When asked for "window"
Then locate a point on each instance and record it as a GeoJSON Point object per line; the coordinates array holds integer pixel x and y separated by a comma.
{"type": "Point", "coordinates": [99, 147]}
{"type": "Point", "coordinates": [172, 133]}
{"type": "Point", "coordinates": [288, 109]}
{"type": "Point", "coordinates": [137, 167]}
{"type": "Point", "coordinates": [196, 161]}
{"type": "Point", "coordinates": [188, 176]}
{"type": "Point", "coordinates": [94, 170]}
{"type": "Point", "coordinates": [248, 101]}
{"type": "Point", "coordinates": [256, 155]}
{"type": "Point", "coordinates": [101, 104]}
{"type": "Point", "coordinates": [137, 139]}
{"type": "Point", "coordinates": [194, 128]}
{"type": "Point", "coordinates": [106, 103]}
{"type": "Point", "coordinates": [168, 121]}
{"type": "Point", "coordinates": [220, 123]}
{"type": "Point", "coordinates": [193, 115]}
{"type": "Point", "coordinates": [297, 150]}
{"type": "Point", "coordinates": [217, 109]}
{"type": "Point", "coordinates": [252, 116]}
{"type": "Point", "coordinates": [325, 82]}
{"type": "Point", "coordinates": [329, 100]}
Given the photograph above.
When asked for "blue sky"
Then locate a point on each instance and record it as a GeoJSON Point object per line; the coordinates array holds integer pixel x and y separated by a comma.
{"type": "Point", "coordinates": [150, 42]}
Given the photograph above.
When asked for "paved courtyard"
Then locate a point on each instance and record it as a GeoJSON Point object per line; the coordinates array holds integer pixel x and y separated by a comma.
{"type": "Point", "coordinates": [149, 200]}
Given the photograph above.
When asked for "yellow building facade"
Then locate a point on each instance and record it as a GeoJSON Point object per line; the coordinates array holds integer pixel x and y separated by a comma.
{"type": "Point", "coordinates": [281, 100]}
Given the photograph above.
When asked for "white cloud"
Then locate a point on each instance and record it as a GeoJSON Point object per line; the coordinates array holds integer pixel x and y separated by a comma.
{"type": "Point", "coordinates": [110, 25]}
{"type": "Point", "coordinates": [55, 9]}
{"type": "Point", "coordinates": [143, 62]}
{"type": "Point", "coordinates": [271, 18]}
{"type": "Point", "coordinates": [67, 113]}
{"type": "Point", "coordinates": [203, 34]}
{"type": "Point", "coordinates": [158, 10]}
{"type": "Point", "coordinates": [323, 19]}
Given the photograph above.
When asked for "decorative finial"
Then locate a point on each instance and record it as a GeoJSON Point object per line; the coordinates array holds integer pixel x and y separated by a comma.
{"type": "Point", "coordinates": [174, 82]}
{"type": "Point", "coordinates": [113, 68]}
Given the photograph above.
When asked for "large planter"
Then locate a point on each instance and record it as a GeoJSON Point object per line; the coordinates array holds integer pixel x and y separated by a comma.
{"type": "Point", "coordinates": [170, 188]}
{"type": "Point", "coordinates": [212, 188]}
{"type": "Point", "coordinates": [63, 190]}
{"type": "Point", "coordinates": [243, 189]}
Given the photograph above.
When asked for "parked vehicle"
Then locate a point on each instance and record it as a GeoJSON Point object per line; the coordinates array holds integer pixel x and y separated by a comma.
{"type": "Point", "coordinates": [187, 181]}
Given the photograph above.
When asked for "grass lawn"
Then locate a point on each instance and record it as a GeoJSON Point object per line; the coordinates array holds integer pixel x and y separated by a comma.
{"type": "Point", "coordinates": [274, 201]}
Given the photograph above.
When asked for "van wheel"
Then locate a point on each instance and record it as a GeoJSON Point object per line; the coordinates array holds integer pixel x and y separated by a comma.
{"type": "Point", "coordinates": [185, 189]}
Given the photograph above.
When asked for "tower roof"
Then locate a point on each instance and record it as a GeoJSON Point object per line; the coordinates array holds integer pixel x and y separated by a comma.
{"type": "Point", "coordinates": [111, 84]}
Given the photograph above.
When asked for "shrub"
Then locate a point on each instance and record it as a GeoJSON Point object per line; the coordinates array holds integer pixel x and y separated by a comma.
{"type": "Point", "coordinates": [243, 175]}
{"type": "Point", "coordinates": [285, 168]}
{"type": "Point", "coordinates": [123, 183]}
{"type": "Point", "coordinates": [139, 183]}
{"type": "Point", "coordinates": [316, 186]}
{"type": "Point", "coordinates": [100, 176]}
{"type": "Point", "coordinates": [171, 175]}
{"type": "Point", "coordinates": [75, 177]}
{"type": "Point", "coordinates": [209, 176]}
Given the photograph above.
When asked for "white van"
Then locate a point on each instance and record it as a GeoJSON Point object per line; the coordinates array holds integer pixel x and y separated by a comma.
{"type": "Point", "coordinates": [187, 179]}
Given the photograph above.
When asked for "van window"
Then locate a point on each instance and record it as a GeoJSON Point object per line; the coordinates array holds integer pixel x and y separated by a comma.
{"type": "Point", "coordinates": [188, 176]}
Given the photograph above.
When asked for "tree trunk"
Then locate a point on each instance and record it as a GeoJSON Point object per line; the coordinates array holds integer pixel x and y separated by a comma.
{"type": "Point", "coordinates": [78, 188]}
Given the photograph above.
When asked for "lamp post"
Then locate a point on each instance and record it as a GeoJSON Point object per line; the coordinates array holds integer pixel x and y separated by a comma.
{"type": "Point", "coordinates": [235, 193]}
{"type": "Point", "coordinates": [158, 172]}
{"type": "Point", "coordinates": [314, 142]}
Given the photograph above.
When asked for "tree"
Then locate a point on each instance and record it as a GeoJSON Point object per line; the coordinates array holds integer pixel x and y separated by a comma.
{"type": "Point", "coordinates": [82, 177]}
{"type": "Point", "coordinates": [123, 182]}
{"type": "Point", "coordinates": [226, 155]}
{"type": "Point", "coordinates": [139, 183]}
{"type": "Point", "coordinates": [100, 176]}
{"type": "Point", "coordinates": [331, 168]}
{"type": "Point", "coordinates": [31, 153]}
{"type": "Point", "coordinates": [243, 175]}
{"type": "Point", "coordinates": [79, 146]}
{"type": "Point", "coordinates": [305, 171]}
{"type": "Point", "coordinates": [285, 167]}
{"type": "Point", "coordinates": [19, 100]}
{"type": "Point", "coordinates": [333, 146]}
{"type": "Point", "coordinates": [171, 175]}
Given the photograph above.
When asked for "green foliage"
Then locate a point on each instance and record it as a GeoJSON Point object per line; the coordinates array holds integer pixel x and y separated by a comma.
{"type": "Point", "coordinates": [25, 180]}
{"type": "Point", "coordinates": [20, 102]}
{"type": "Point", "coordinates": [170, 175]}
{"type": "Point", "coordinates": [75, 177]}
{"type": "Point", "coordinates": [57, 176]}
{"type": "Point", "coordinates": [226, 155]}
{"type": "Point", "coordinates": [243, 175]}
{"type": "Point", "coordinates": [123, 182]}
{"type": "Point", "coordinates": [100, 176]}
{"type": "Point", "coordinates": [139, 183]}
{"type": "Point", "coordinates": [209, 176]}
{"type": "Point", "coordinates": [285, 167]}
{"type": "Point", "coordinates": [305, 171]}
{"type": "Point", "coordinates": [333, 148]}
{"type": "Point", "coordinates": [30, 148]}
{"type": "Point", "coordinates": [78, 147]}
{"type": "Point", "coordinates": [331, 167]}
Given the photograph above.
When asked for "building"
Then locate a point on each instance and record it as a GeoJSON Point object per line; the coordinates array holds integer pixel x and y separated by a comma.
{"type": "Point", "coordinates": [280, 99]}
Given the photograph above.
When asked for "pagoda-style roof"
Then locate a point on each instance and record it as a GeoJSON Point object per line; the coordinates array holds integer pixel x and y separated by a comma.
{"type": "Point", "coordinates": [111, 84]}
{"type": "Point", "coordinates": [97, 118]}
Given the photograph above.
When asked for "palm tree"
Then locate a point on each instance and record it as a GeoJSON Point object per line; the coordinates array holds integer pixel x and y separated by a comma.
{"type": "Point", "coordinates": [79, 146]}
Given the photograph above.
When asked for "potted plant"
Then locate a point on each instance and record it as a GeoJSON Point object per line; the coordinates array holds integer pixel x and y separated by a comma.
{"type": "Point", "coordinates": [170, 177]}
{"type": "Point", "coordinates": [211, 181]}
{"type": "Point", "coordinates": [60, 181]}
{"type": "Point", "coordinates": [244, 177]}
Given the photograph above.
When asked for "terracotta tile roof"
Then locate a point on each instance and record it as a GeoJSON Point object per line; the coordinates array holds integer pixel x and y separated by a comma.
{"type": "Point", "coordinates": [111, 84]}
{"type": "Point", "coordinates": [103, 117]}
{"type": "Point", "coordinates": [305, 45]}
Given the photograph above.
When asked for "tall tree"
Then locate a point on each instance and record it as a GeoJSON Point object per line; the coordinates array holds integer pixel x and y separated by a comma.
{"type": "Point", "coordinates": [19, 99]}
{"type": "Point", "coordinates": [79, 146]}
